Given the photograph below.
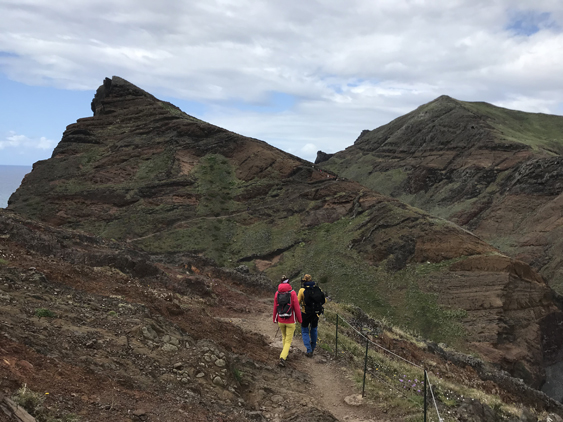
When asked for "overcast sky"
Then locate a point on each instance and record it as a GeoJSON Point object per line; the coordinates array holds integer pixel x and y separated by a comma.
{"type": "Point", "coordinates": [300, 75]}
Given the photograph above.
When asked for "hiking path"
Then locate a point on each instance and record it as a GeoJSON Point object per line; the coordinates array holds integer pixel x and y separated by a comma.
{"type": "Point", "coordinates": [331, 382]}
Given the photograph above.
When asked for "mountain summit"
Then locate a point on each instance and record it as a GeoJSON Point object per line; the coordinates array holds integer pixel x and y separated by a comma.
{"type": "Point", "coordinates": [142, 171]}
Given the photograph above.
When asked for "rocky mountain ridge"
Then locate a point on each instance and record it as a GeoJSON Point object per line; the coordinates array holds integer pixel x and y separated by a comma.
{"type": "Point", "coordinates": [494, 171]}
{"type": "Point", "coordinates": [143, 172]}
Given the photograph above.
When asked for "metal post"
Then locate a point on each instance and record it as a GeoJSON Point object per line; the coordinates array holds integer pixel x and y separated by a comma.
{"type": "Point", "coordinates": [336, 353]}
{"type": "Point", "coordinates": [365, 368]}
{"type": "Point", "coordinates": [425, 383]}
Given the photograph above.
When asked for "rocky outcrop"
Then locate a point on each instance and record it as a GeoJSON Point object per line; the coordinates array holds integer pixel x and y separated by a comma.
{"type": "Point", "coordinates": [11, 412]}
{"type": "Point", "coordinates": [143, 172]}
{"type": "Point", "coordinates": [322, 157]}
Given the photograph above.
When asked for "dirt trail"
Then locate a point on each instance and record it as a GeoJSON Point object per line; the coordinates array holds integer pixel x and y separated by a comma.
{"type": "Point", "coordinates": [331, 382]}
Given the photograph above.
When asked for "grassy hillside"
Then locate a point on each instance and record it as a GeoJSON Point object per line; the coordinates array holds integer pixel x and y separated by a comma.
{"type": "Point", "coordinates": [538, 130]}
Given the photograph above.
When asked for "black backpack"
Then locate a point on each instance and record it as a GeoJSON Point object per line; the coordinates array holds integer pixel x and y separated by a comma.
{"type": "Point", "coordinates": [285, 310]}
{"type": "Point", "coordinates": [314, 300]}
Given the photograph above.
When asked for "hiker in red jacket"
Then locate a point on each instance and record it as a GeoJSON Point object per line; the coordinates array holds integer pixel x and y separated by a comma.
{"type": "Point", "coordinates": [286, 311]}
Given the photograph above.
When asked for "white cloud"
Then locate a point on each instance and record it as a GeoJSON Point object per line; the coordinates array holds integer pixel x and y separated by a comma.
{"type": "Point", "coordinates": [22, 142]}
{"type": "Point", "coordinates": [13, 141]}
{"type": "Point", "coordinates": [350, 65]}
{"type": "Point", "coordinates": [45, 143]}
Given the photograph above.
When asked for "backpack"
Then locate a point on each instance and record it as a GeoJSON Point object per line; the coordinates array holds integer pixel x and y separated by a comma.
{"type": "Point", "coordinates": [285, 310]}
{"type": "Point", "coordinates": [314, 300]}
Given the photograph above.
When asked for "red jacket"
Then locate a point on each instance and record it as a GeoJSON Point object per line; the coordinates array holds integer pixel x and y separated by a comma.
{"type": "Point", "coordinates": [285, 287]}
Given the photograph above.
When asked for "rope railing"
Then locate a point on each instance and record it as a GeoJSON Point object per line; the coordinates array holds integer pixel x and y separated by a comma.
{"type": "Point", "coordinates": [427, 383]}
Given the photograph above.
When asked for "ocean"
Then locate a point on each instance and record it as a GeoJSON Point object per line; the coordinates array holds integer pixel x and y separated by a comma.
{"type": "Point", "coordinates": [10, 179]}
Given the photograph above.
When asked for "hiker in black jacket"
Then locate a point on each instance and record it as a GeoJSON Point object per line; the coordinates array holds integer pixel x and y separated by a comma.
{"type": "Point", "coordinates": [311, 298]}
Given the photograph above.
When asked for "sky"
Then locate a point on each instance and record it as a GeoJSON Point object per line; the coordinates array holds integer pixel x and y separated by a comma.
{"type": "Point", "coordinates": [301, 75]}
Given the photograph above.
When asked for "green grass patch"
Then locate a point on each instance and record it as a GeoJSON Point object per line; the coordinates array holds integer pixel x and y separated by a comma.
{"type": "Point", "coordinates": [238, 374]}
{"type": "Point", "coordinates": [361, 169]}
{"type": "Point", "coordinates": [213, 237]}
{"type": "Point", "coordinates": [216, 183]}
{"type": "Point", "coordinates": [156, 167]}
{"type": "Point", "coordinates": [396, 385]}
{"type": "Point", "coordinates": [44, 313]}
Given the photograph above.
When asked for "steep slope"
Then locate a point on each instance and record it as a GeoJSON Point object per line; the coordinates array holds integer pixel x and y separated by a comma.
{"type": "Point", "coordinates": [494, 171]}
{"type": "Point", "coordinates": [142, 171]}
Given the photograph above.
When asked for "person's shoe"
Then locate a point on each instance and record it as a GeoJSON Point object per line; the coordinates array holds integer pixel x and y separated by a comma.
{"type": "Point", "coordinates": [281, 362]}
{"type": "Point", "coordinates": [309, 354]}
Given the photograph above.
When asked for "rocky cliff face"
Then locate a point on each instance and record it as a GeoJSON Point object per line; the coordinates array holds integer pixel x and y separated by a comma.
{"type": "Point", "coordinates": [496, 172]}
{"type": "Point", "coordinates": [142, 171]}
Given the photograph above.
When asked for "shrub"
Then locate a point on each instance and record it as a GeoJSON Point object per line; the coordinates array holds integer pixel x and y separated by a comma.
{"type": "Point", "coordinates": [237, 373]}
{"type": "Point", "coordinates": [32, 402]}
{"type": "Point", "coordinates": [43, 312]}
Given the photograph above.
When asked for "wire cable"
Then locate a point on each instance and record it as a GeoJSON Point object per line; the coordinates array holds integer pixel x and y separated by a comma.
{"type": "Point", "coordinates": [400, 357]}
{"type": "Point", "coordinates": [433, 398]}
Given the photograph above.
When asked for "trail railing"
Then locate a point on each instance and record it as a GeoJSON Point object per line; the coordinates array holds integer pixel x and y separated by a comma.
{"type": "Point", "coordinates": [380, 349]}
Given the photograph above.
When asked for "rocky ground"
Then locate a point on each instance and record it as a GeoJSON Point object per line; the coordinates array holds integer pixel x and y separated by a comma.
{"type": "Point", "coordinates": [187, 341]}
{"type": "Point", "coordinates": [103, 345]}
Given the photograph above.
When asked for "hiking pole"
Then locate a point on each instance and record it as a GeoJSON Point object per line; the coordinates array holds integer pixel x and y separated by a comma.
{"type": "Point", "coordinates": [278, 330]}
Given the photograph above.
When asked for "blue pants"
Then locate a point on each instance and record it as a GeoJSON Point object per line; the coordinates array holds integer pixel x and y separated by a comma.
{"type": "Point", "coordinates": [309, 335]}
{"type": "Point", "coordinates": [310, 341]}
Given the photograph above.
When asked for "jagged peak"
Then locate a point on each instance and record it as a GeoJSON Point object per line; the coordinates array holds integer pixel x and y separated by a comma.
{"type": "Point", "coordinates": [115, 87]}
{"type": "Point", "coordinates": [322, 157]}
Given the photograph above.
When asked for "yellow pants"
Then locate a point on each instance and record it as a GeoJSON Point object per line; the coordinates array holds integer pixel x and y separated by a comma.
{"type": "Point", "coordinates": [287, 331]}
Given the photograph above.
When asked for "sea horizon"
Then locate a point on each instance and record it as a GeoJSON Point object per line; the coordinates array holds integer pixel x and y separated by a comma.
{"type": "Point", "coordinates": [11, 177]}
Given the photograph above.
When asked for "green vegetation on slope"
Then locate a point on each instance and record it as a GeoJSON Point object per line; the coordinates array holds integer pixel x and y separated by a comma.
{"type": "Point", "coordinates": [230, 236]}
{"type": "Point", "coordinates": [399, 297]}
{"type": "Point", "coordinates": [540, 131]}
{"type": "Point", "coordinates": [216, 185]}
